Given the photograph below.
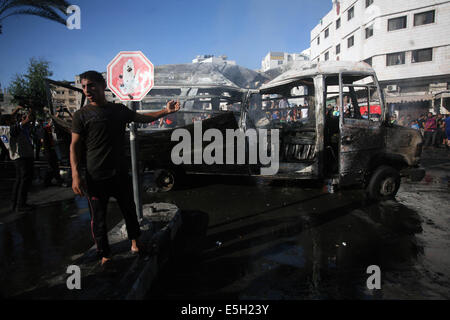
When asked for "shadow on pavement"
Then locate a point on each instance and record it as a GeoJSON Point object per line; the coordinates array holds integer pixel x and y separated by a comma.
{"type": "Point", "coordinates": [295, 254]}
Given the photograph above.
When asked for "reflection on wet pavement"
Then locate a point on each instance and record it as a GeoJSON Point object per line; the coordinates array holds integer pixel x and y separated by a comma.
{"type": "Point", "coordinates": [41, 243]}
{"type": "Point", "coordinates": [268, 241]}
{"type": "Point", "coordinates": [252, 239]}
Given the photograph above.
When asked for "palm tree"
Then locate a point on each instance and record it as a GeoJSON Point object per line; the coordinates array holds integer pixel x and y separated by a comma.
{"type": "Point", "coordinates": [47, 9]}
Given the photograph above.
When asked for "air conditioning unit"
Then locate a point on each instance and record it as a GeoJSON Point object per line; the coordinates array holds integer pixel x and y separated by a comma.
{"type": "Point", "coordinates": [392, 88]}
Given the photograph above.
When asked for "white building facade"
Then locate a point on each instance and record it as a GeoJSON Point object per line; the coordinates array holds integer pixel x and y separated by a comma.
{"type": "Point", "coordinates": [275, 59]}
{"type": "Point", "coordinates": [6, 104]}
{"type": "Point", "coordinates": [407, 42]}
{"type": "Point", "coordinates": [209, 58]}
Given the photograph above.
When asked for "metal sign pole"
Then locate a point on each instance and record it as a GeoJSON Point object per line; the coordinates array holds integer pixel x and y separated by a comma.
{"type": "Point", "coordinates": [134, 163]}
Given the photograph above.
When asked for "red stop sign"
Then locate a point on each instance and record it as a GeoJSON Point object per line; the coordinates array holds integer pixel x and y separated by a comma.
{"type": "Point", "coordinates": [130, 75]}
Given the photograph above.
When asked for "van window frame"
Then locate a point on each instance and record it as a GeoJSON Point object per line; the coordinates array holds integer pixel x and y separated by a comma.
{"type": "Point", "coordinates": [368, 87]}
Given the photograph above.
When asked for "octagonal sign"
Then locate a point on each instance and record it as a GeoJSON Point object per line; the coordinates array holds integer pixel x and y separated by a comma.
{"type": "Point", "coordinates": [130, 75]}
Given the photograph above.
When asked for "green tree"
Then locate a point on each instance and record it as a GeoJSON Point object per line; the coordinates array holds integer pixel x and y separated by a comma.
{"type": "Point", "coordinates": [30, 87]}
{"type": "Point", "coordinates": [48, 9]}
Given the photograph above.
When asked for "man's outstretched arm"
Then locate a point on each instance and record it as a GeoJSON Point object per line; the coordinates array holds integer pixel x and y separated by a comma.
{"type": "Point", "coordinates": [172, 106]}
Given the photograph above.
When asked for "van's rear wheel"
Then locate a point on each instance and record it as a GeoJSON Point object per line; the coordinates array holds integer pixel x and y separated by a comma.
{"type": "Point", "coordinates": [165, 179]}
{"type": "Point", "coordinates": [384, 183]}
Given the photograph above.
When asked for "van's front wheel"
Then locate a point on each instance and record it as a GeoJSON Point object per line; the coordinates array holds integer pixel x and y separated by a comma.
{"type": "Point", "coordinates": [165, 179]}
{"type": "Point", "coordinates": [384, 183]}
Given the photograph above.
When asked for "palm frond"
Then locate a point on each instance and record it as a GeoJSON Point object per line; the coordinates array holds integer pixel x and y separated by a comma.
{"type": "Point", "coordinates": [61, 5]}
{"type": "Point", "coordinates": [42, 8]}
{"type": "Point", "coordinates": [51, 12]}
{"type": "Point", "coordinates": [37, 12]}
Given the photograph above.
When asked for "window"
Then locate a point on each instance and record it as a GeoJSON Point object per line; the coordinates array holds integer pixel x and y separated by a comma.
{"type": "Point", "coordinates": [280, 62]}
{"type": "Point", "coordinates": [327, 56]}
{"type": "Point", "coordinates": [424, 18]}
{"type": "Point", "coordinates": [397, 23]}
{"type": "Point", "coordinates": [368, 3]}
{"type": "Point", "coordinates": [394, 59]}
{"type": "Point", "coordinates": [338, 49]}
{"type": "Point", "coordinates": [318, 39]}
{"type": "Point", "coordinates": [369, 32]}
{"type": "Point", "coordinates": [368, 61]}
{"type": "Point", "coordinates": [327, 33]}
{"type": "Point", "coordinates": [360, 102]}
{"type": "Point", "coordinates": [338, 23]}
{"type": "Point", "coordinates": [301, 101]}
{"type": "Point", "coordinates": [350, 41]}
{"type": "Point", "coordinates": [422, 55]}
{"type": "Point", "coordinates": [351, 13]}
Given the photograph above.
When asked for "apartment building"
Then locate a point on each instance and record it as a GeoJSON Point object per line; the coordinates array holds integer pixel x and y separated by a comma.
{"type": "Point", "coordinates": [63, 97]}
{"type": "Point", "coordinates": [6, 103]}
{"type": "Point", "coordinates": [275, 59]}
{"type": "Point", "coordinates": [210, 58]}
{"type": "Point", "coordinates": [406, 41]}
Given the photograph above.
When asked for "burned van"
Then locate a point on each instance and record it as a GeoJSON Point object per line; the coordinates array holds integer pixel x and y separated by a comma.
{"type": "Point", "coordinates": [322, 121]}
{"type": "Point", "coordinates": [333, 125]}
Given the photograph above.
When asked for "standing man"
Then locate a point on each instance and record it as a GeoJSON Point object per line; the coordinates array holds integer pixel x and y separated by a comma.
{"type": "Point", "coordinates": [4, 121]}
{"type": "Point", "coordinates": [440, 132]}
{"type": "Point", "coordinates": [430, 128]}
{"type": "Point", "coordinates": [50, 155]}
{"type": "Point", "coordinates": [421, 122]}
{"type": "Point", "coordinates": [38, 131]}
{"type": "Point", "coordinates": [447, 131]}
{"type": "Point", "coordinates": [99, 128]}
{"type": "Point", "coordinates": [21, 151]}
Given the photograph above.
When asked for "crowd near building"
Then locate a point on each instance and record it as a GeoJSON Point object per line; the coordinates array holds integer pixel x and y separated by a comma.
{"type": "Point", "coordinates": [406, 42]}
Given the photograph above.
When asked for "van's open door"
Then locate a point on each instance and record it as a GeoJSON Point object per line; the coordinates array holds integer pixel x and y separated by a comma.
{"type": "Point", "coordinates": [360, 125]}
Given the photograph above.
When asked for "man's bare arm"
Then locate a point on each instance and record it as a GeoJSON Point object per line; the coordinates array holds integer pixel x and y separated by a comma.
{"type": "Point", "coordinates": [172, 106]}
{"type": "Point", "coordinates": [75, 154]}
{"type": "Point", "coordinates": [16, 110]}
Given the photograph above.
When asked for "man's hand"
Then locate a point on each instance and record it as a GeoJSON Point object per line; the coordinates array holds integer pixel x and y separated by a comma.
{"type": "Point", "coordinates": [29, 117]}
{"type": "Point", "coordinates": [16, 110]}
{"type": "Point", "coordinates": [78, 186]}
{"type": "Point", "coordinates": [172, 106]}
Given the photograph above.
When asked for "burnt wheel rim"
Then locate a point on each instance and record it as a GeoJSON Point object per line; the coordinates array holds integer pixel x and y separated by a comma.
{"type": "Point", "coordinates": [388, 186]}
{"type": "Point", "coordinates": [166, 181]}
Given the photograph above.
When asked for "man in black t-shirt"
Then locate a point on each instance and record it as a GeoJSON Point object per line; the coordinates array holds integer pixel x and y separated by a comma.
{"type": "Point", "coordinates": [99, 127]}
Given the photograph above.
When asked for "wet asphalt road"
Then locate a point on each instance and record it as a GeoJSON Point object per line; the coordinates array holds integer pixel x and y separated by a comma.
{"type": "Point", "coordinates": [252, 239]}
{"type": "Point", "coordinates": [280, 241]}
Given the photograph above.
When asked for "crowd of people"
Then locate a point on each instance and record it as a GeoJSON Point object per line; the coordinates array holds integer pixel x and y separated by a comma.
{"type": "Point", "coordinates": [435, 128]}
{"type": "Point", "coordinates": [24, 140]}
{"type": "Point", "coordinates": [285, 112]}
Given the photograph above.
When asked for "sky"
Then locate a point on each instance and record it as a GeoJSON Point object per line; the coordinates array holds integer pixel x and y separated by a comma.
{"type": "Point", "coordinates": [166, 31]}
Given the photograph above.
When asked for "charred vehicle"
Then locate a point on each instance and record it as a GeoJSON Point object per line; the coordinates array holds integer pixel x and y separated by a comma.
{"type": "Point", "coordinates": [345, 136]}
{"type": "Point", "coordinates": [330, 121]}
{"type": "Point", "coordinates": [323, 121]}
